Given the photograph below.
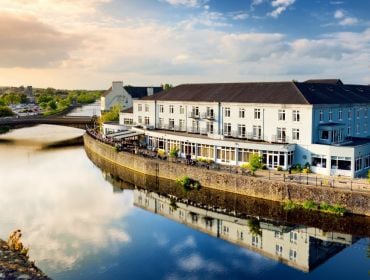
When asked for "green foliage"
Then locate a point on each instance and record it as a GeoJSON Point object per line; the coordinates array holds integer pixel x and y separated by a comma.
{"type": "Point", "coordinates": [255, 163]}
{"type": "Point", "coordinates": [52, 105]}
{"type": "Point", "coordinates": [10, 98]}
{"type": "Point", "coordinates": [174, 152]}
{"type": "Point", "coordinates": [112, 115]}
{"type": "Point", "coordinates": [306, 170]}
{"type": "Point", "coordinates": [5, 111]}
{"type": "Point", "coordinates": [244, 166]}
{"type": "Point", "coordinates": [279, 168]}
{"type": "Point", "coordinates": [167, 86]}
{"type": "Point", "coordinates": [332, 209]}
{"type": "Point", "coordinates": [173, 204]}
{"type": "Point", "coordinates": [310, 205]}
{"type": "Point", "coordinates": [188, 184]}
{"type": "Point", "coordinates": [298, 167]}
{"type": "Point", "coordinates": [254, 227]}
{"type": "Point", "coordinates": [290, 205]}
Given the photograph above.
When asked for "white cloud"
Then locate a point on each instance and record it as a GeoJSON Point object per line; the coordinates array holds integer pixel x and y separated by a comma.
{"type": "Point", "coordinates": [239, 15]}
{"type": "Point", "coordinates": [60, 228]}
{"type": "Point", "coordinates": [339, 14]}
{"type": "Point", "coordinates": [195, 262]}
{"type": "Point", "coordinates": [187, 3]}
{"type": "Point", "coordinates": [188, 243]}
{"type": "Point", "coordinates": [280, 6]}
{"type": "Point", "coordinates": [344, 19]}
{"type": "Point", "coordinates": [144, 51]}
{"type": "Point", "coordinates": [349, 21]}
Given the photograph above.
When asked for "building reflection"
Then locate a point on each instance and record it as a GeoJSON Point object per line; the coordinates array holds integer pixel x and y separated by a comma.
{"type": "Point", "coordinates": [300, 247]}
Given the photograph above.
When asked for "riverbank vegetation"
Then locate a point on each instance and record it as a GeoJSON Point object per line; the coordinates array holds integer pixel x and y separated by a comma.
{"type": "Point", "coordinates": [54, 101]}
{"type": "Point", "coordinates": [310, 205]}
{"type": "Point", "coordinates": [188, 184]}
{"type": "Point", "coordinates": [5, 111]}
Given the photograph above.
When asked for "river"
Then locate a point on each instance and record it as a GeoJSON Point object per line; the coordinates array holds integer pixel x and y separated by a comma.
{"type": "Point", "coordinates": [81, 222]}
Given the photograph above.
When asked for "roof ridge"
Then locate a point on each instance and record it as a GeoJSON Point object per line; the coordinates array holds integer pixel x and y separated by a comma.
{"type": "Point", "coordinates": [300, 92]}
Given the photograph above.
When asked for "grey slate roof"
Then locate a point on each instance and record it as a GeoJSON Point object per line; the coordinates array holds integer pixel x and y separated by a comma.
{"type": "Point", "coordinates": [325, 81]}
{"type": "Point", "coordinates": [267, 93]}
{"type": "Point", "coordinates": [136, 92]}
{"type": "Point", "coordinates": [139, 92]}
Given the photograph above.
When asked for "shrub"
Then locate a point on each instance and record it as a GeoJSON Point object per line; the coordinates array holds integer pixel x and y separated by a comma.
{"type": "Point", "coordinates": [5, 111]}
{"type": "Point", "coordinates": [174, 152]}
{"type": "Point", "coordinates": [306, 170]}
{"type": "Point", "coordinates": [290, 205]}
{"type": "Point", "coordinates": [254, 227]}
{"type": "Point", "coordinates": [332, 209]}
{"type": "Point", "coordinates": [298, 167]}
{"type": "Point", "coordinates": [244, 166]}
{"type": "Point", "coordinates": [188, 184]}
{"type": "Point", "coordinates": [310, 205]}
{"type": "Point", "coordinates": [279, 168]}
{"type": "Point", "coordinates": [161, 152]}
{"type": "Point", "coordinates": [255, 163]}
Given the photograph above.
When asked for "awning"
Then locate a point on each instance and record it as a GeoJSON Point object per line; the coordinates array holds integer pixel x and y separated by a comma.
{"type": "Point", "coordinates": [128, 134]}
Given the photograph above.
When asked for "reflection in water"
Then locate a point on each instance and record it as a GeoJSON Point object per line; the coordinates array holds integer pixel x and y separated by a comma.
{"type": "Point", "coordinates": [64, 209]}
{"type": "Point", "coordinates": [301, 247]}
{"type": "Point", "coordinates": [41, 134]}
{"type": "Point", "coordinates": [77, 228]}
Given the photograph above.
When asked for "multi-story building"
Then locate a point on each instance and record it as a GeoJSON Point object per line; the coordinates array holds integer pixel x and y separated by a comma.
{"type": "Point", "coordinates": [323, 123]}
{"type": "Point", "coordinates": [124, 95]}
{"type": "Point", "coordinates": [301, 247]}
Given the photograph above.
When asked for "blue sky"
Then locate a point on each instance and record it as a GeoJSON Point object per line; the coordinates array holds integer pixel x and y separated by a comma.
{"type": "Point", "coordinates": [89, 43]}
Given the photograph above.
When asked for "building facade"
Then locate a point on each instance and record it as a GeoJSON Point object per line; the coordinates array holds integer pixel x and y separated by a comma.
{"type": "Point", "coordinates": [323, 123]}
{"type": "Point", "coordinates": [124, 95]}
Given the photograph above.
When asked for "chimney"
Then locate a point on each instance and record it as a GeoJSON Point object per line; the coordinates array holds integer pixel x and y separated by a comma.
{"type": "Point", "coordinates": [150, 91]}
{"type": "Point", "coordinates": [117, 86]}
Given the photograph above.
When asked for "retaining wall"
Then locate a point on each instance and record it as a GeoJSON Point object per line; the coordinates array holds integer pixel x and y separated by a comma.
{"type": "Point", "coordinates": [353, 201]}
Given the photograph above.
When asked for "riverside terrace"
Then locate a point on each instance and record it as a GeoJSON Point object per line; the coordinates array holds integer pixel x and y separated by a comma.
{"type": "Point", "coordinates": [132, 145]}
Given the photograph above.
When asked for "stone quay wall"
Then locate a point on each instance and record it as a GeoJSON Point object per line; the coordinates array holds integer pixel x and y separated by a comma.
{"type": "Point", "coordinates": [354, 201]}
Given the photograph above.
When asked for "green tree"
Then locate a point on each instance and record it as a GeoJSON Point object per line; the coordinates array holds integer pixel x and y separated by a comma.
{"type": "Point", "coordinates": [167, 86]}
{"type": "Point", "coordinates": [110, 116]}
{"type": "Point", "coordinates": [52, 105]}
{"type": "Point", "coordinates": [255, 163]}
{"type": "Point", "coordinates": [5, 111]}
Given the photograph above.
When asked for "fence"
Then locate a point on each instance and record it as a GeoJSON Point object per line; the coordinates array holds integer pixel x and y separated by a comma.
{"type": "Point", "coordinates": [282, 176]}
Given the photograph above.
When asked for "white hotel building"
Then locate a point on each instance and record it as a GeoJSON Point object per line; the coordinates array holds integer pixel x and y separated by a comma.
{"type": "Point", "coordinates": [320, 122]}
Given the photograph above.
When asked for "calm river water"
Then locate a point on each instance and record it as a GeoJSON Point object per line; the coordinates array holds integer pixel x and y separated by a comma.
{"type": "Point", "coordinates": [80, 225]}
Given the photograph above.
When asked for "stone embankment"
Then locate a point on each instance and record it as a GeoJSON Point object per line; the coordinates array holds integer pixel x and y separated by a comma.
{"type": "Point", "coordinates": [354, 201]}
{"type": "Point", "coordinates": [14, 265]}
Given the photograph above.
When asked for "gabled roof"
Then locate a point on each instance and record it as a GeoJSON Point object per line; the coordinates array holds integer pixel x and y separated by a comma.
{"type": "Point", "coordinates": [135, 92]}
{"type": "Point", "coordinates": [275, 92]}
{"type": "Point", "coordinates": [128, 110]}
{"type": "Point", "coordinates": [334, 94]}
{"type": "Point", "coordinates": [139, 92]}
{"type": "Point", "coordinates": [267, 93]}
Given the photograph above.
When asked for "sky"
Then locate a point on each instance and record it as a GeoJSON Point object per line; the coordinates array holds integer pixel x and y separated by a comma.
{"type": "Point", "coordinates": [86, 44]}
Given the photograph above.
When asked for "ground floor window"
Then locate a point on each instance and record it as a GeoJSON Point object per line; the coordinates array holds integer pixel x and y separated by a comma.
{"type": "Point", "coordinates": [358, 164]}
{"type": "Point", "coordinates": [343, 163]}
{"type": "Point", "coordinates": [318, 160]}
{"type": "Point", "coordinates": [225, 154]}
{"type": "Point", "coordinates": [367, 161]}
{"type": "Point", "coordinates": [206, 151]}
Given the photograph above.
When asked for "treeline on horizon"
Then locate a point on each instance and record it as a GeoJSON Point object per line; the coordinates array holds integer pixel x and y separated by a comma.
{"type": "Point", "coordinates": [50, 100]}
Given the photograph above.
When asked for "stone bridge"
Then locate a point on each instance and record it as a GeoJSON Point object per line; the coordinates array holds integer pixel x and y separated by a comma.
{"type": "Point", "coordinates": [77, 122]}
